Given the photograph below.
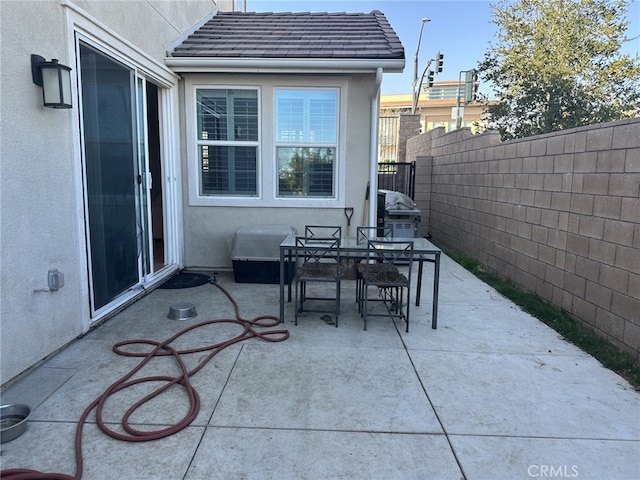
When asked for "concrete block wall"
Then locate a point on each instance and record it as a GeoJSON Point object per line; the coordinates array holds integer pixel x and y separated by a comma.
{"type": "Point", "coordinates": [416, 150]}
{"type": "Point", "coordinates": [408, 127]}
{"type": "Point", "coordinates": [558, 214]}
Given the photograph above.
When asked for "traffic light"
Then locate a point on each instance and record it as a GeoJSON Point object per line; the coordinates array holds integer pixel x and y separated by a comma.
{"type": "Point", "coordinates": [430, 79]}
{"type": "Point", "coordinates": [470, 86]}
{"type": "Point", "coordinates": [439, 62]}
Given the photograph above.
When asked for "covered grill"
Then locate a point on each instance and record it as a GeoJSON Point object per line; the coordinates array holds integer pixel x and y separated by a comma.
{"type": "Point", "coordinates": [398, 212]}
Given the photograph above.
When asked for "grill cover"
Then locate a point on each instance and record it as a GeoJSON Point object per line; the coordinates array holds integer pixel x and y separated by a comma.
{"type": "Point", "coordinates": [396, 200]}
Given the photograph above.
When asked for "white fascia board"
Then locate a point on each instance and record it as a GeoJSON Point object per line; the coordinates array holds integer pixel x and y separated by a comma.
{"type": "Point", "coordinates": [281, 65]}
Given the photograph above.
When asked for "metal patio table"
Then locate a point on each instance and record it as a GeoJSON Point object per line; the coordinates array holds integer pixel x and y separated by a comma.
{"type": "Point", "coordinates": [423, 249]}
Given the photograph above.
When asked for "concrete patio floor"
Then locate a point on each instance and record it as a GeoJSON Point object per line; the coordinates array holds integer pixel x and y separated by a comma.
{"type": "Point", "coordinates": [491, 394]}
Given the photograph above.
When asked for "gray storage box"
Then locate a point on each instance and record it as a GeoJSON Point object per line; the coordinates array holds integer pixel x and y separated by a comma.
{"type": "Point", "coordinates": [255, 253]}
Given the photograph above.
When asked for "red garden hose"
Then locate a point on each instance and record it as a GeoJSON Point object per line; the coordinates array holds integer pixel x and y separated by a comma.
{"type": "Point", "coordinates": [159, 349]}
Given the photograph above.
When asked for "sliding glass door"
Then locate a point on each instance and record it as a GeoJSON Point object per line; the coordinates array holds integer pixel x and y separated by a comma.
{"type": "Point", "coordinates": [116, 179]}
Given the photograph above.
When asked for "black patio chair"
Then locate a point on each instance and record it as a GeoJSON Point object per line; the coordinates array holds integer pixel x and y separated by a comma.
{"type": "Point", "coordinates": [318, 261]}
{"type": "Point", "coordinates": [393, 286]}
{"type": "Point", "coordinates": [327, 231]}
{"type": "Point", "coordinates": [363, 235]}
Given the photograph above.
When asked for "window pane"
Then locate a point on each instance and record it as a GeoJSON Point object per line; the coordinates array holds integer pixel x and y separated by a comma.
{"type": "Point", "coordinates": [290, 120]}
{"type": "Point", "coordinates": [228, 141]}
{"type": "Point", "coordinates": [305, 172]}
{"type": "Point", "coordinates": [227, 115]}
{"type": "Point", "coordinates": [228, 170]}
{"type": "Point", "coordinates": [322, 120]}
{"type": "Point", "coordinates": [305, 116]}
{"type": "Point", "coordinates": [245, 115]}
{"type": "Point", "coordinates": [110, 150]}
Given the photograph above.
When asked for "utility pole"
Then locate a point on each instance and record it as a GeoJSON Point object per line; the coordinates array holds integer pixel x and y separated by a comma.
{"type": "Point", "coordinates": [416, 86]}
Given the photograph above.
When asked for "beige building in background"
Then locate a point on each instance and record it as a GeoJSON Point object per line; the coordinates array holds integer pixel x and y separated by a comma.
{"type": "Point", "coordinates": [436, 107]}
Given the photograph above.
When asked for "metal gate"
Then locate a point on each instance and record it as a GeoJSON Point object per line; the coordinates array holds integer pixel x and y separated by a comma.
{"type": "Point", "coordinates": [398, 177]}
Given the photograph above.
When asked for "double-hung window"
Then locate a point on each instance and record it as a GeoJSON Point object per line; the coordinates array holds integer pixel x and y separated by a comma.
{"type": "Point", "coordinates": [306, 141]}
{"type": "Point", "coordinates": [228, 141]}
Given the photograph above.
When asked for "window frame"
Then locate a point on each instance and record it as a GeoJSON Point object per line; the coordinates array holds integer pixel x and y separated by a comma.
{"type": "Point", "coordinates": [267, 174]}
{"type": "Point", "coordinates": [225, 143]}
{"type": "Point", "coordinates": [307, 144]}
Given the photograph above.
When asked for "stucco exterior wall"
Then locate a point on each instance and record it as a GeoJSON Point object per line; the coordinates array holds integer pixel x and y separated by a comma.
{"type": "Point", "coordinates": [208, 229]}
{"type": "Point", "coordinates": [559, 214]}
{"type": "Point", "coordinates": [38, 208]}
{"type": "Point", "coordinates": [152, 25]}
{"type": "Point", "coordinates": [41, 206]}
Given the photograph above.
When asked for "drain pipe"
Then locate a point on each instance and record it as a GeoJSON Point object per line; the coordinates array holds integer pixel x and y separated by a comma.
{"type": "Point", "coordinates": [373, 163]}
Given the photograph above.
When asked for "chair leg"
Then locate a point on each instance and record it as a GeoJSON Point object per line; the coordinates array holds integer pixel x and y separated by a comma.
{"type": "Point", "coordinates": [365, 294]}
{"type": "Point", "coordinates": [295, 305]}
{"type": "Point", "coordinates": [397, 300]}
{"type": "Point", "coordinates": [337, 302]}
{"type": "Point", "coordinates": [408, 308]}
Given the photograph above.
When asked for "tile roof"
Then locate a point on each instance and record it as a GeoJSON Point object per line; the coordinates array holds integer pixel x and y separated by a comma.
{"type": "Point", "coordinates": [297, 35]}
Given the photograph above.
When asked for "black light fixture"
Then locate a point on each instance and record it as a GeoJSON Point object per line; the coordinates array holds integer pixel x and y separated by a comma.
{"type": "Point", "coordinates": [55, 80]}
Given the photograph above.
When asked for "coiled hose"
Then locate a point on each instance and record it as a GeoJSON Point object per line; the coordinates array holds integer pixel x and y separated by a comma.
{"type": "Point", "coordinates": [159, 349]}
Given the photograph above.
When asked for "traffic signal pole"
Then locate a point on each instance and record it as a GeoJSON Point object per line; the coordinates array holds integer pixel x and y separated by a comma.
{"type": "Point", "coordinates": [470, 80]}
{"type": "Point", "coordinates": [416, 93]}
{"type": "Point", "coordinates": [458, 116]}
{"type": "Point", "coordinates": [418, 86]}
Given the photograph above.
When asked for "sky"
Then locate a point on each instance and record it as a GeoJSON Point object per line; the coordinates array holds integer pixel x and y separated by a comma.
{"type": "Point", "coordinates": [459, 29]}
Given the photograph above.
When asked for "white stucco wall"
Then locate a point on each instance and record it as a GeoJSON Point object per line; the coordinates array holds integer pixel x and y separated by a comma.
{"type": "Point", "coordinates": [153, 24]}
{"type": "Point", "coordinates": [41, 211]}
{"type": "Point", "coordinates": [207, 229]}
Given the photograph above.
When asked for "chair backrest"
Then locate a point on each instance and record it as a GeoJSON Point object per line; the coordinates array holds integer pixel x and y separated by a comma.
{"type": "Point", "coordinates": [380, 233]}
{"type": "Point", "coordinates": [318, 249]}
{"type": "Point", "coordinates": [326, 231]}
{"type": "Point", "coordinates": [397, 252]}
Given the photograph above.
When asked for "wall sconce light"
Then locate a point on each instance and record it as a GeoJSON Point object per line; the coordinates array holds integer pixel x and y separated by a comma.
{"type": "Point", "coordinates": [55, 80]}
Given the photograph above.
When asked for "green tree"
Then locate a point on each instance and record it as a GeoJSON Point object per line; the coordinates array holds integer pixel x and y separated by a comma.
{"type": "Point", "coordinates": [295, 176]}
{"type": "Point", "coordinates": [557, 64]}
